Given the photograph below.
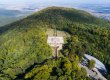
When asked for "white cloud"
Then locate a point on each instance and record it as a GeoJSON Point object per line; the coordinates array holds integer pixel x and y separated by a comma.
{"type": "Point", "coordinates": [55, 1]}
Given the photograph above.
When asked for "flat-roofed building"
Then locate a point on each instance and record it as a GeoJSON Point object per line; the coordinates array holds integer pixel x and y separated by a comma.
{"type": "Point", "coordinates": [56, 43]}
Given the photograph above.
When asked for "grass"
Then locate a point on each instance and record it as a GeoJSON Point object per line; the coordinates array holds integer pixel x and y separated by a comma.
{"type": "Point", "coordinates": [50, 32]}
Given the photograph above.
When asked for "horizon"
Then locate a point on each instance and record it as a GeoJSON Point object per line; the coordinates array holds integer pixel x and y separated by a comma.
{"type": "Point", "coordinates": [26, 7]}
{"type": "Point", "coordinates": [54, 1]}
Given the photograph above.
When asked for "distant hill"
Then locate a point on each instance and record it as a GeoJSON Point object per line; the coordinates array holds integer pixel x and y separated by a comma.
{"type": "Point", "coordinates": [4, 20]}
{"type": "Point", "coordinates": [9, 16]}
{"type": "Point", "coordinates": [24, 51]}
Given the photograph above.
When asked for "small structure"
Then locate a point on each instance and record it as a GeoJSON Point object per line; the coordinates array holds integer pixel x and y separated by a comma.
{"type": "Point", "coordinates": [56, 44]}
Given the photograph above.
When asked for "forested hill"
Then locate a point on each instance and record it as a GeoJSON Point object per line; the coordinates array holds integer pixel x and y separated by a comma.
{"type": "Point", "coordinates": [23, 44]}
{"type": "Point", "coordinates": [58, 15]}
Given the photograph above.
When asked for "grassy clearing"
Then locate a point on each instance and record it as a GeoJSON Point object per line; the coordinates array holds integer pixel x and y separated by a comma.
{"type": "Point", "coordinates": [50, 32]}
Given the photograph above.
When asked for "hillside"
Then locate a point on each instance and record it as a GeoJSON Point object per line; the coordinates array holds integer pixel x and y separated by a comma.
{"type": "Point", "coordinates": [4, 20]}
{"type": "Point", "coordinates": [24, 52]}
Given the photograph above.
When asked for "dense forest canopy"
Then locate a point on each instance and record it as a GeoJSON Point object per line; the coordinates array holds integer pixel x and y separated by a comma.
{"type": "Point", "coordinates": [25, 54]}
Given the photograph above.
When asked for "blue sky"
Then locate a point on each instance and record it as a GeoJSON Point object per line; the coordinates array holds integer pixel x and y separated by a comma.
{"type": "Point", "coordinates": [52, 1]}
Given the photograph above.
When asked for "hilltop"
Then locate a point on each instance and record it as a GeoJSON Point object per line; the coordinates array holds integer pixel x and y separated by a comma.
{"type": "Point", "coordinates": [25, 54]}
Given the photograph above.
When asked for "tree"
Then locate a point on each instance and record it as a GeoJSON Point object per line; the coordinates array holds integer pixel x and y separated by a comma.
{"type": "Point", "coordinates": [83, 72]}
{"type": "Point", "coordinates": [91, 64]}
{"type": "Point", "coordinates": [39, 73]}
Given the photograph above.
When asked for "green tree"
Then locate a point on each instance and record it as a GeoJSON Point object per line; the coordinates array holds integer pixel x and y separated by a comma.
{"type": "Point", "coordinates": [91, 64]}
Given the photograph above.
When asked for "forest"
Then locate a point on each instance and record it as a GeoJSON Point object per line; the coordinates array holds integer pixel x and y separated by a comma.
{"type": "Point", "coordinates": [25, 54]}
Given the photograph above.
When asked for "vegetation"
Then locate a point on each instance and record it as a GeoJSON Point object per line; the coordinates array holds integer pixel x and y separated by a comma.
{"type": "Point", "coordinates": [21, 48]}
{"type": "Point", "coordinates": [61, 69]}
{"type": "Point", "coordinates": [25, 54]}
{"type": "Point", "coordinates": [4, 20]}
{"type": "Point", "coordinates": [91, 64]}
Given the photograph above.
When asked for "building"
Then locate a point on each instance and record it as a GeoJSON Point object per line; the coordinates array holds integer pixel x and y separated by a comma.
{"type": "Point", "coordinates": [56, 44]}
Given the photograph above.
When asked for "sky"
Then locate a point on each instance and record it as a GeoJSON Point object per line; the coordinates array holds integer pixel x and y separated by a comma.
{"type": "Point", "coordinates": [52, 1]}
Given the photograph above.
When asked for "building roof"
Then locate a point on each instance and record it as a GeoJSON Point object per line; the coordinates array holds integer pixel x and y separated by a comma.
{"type": "Point", "coordinates": [55, 40]}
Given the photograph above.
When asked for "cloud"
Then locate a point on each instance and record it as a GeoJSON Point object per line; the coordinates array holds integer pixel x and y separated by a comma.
{"type": "Point", "coordinates": [57, 1]}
